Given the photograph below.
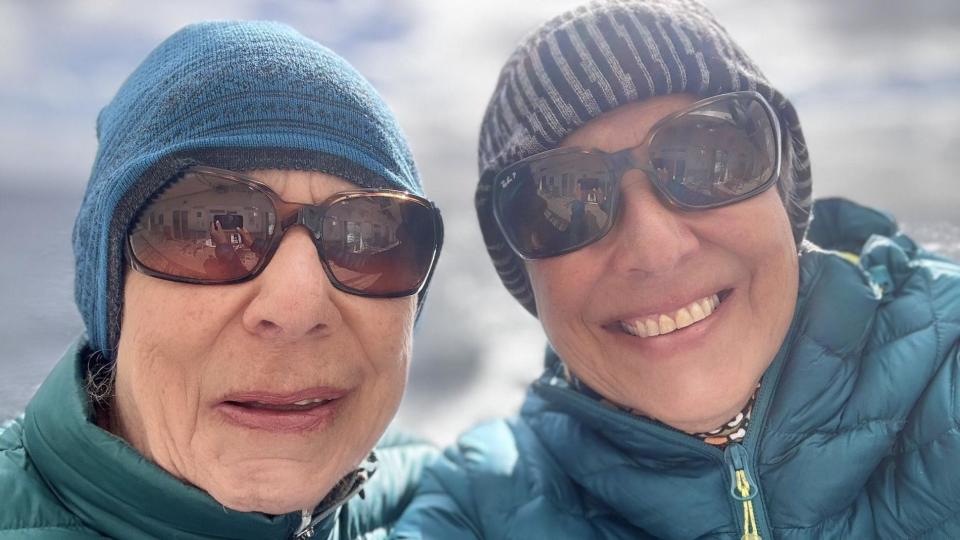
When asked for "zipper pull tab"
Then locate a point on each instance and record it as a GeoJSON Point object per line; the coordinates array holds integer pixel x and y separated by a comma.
{"type": "Point", "coordinates": [305, 530]}
{"type": "Point", "coordinates": [743, 488]}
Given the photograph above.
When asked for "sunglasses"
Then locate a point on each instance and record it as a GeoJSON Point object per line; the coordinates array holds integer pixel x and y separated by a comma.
{"type": "Point", "coordinates": [212, 226]}
{"type": "Point", "coordinates": [717, 152]}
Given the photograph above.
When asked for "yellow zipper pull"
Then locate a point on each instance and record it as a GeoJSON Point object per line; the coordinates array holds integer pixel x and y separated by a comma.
{"type": "Point", "coordinates": [742, 490]}
{"type": "Point", "coordinates": [750, 531]}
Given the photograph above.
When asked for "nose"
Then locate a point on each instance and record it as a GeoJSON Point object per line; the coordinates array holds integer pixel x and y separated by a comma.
{"type": "Point", "coordinates": [649, 237]}
{"type": "Point", "coordinates": [294, 298]}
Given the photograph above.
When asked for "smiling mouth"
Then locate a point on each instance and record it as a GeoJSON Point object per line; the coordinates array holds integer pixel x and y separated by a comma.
{"type": "Point", "coordinates": [660, 324]}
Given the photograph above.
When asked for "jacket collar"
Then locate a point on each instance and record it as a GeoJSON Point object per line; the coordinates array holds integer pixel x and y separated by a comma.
{"type": "Point", "coordinates": [118, 492]}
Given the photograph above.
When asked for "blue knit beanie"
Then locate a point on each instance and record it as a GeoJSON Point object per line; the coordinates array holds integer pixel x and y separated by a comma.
{"type": "Point", "coordinates": [235, 95]}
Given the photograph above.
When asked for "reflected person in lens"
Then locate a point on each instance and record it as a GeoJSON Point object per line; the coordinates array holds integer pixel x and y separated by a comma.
{"type": "Point", "coordinates": [252, 252]}
{"type": "Point", "coordinates": [719, 365]}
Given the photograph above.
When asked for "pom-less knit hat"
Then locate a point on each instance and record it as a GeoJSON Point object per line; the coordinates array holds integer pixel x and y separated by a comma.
{"type": "Point", "coordinates": [234, 95]}
{"type": "Point", "coordinates": [602, 55]}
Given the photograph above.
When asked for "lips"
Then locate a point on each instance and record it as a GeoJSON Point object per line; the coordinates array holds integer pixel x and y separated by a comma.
{"type": "Point", "coordinates": [306, 410]}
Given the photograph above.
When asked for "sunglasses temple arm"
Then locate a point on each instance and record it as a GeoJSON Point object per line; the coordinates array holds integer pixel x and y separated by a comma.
{"type": "Point", "coordinates": [438, 228]}
{"type": "Point", "coordinates": [438, 231]}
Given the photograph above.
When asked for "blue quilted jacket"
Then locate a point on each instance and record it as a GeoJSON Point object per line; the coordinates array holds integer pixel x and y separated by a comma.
{"type": "Point", "coordinates": [855, 432]}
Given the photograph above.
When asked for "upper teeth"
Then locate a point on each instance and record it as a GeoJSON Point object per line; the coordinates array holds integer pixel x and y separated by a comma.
{"type": "Point", "coordinates": [309, 401]}
{"type": "Point", "coordinates": [657, 325]}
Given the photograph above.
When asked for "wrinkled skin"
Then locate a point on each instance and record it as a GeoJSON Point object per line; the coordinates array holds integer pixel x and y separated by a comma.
{"type": "Point", "coordinates": [184, 347]}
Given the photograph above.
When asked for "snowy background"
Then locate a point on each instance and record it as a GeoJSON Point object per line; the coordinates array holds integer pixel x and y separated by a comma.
{"type": "Point", "coordinates": [876, 83]}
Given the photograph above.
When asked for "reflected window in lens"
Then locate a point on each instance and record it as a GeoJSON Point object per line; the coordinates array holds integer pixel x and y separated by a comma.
{"type": "Point", "coordinates": [204, 227]}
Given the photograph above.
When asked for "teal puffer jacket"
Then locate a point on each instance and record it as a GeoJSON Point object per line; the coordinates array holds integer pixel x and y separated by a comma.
{"type": "Point", "coordinates": [61, 477]}
{"type": "Point", "coordinates": [855, 432]}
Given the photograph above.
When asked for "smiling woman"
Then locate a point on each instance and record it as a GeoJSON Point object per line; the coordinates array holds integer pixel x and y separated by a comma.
{"type": "Point", "coordinates": [718, 366]}
{"type": "Point", "coordinates": [244, 353]}
{"type": "Point", "coordinates": [592, 301]}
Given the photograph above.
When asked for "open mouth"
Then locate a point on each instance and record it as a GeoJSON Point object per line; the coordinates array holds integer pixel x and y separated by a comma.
{"type": "Point", "coordinates": [659, 324]}
{"type": "Point", "coordinates": [297, 406]}
{"type": "Point", "coordinates": [302, 411]}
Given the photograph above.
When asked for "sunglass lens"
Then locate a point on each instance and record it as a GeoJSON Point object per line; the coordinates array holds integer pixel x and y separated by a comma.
{"type": "Point", "coordinates": [721, 152]}
{"type": "Point", "coordinates": [204, 228]}
{"type": "Point", "coordinates": [379, 245]}
{"type": "Point", "coordinates": [555, 204]}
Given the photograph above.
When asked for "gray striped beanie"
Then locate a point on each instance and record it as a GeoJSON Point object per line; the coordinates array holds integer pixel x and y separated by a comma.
{"type": "Point", "coordinates": [602, 55]}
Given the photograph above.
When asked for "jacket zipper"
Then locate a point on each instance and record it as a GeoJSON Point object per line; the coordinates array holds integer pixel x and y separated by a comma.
{"type": "Point", "coordinates": [304, 530]}
{"type": "Point", "coordinates": [309, 522]}
{"type": "Point", "coordinates": [743, 488]}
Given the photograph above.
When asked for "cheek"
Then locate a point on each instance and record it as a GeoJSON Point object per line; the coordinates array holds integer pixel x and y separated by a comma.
{"type": "Point", "coordinates": [383, 329]}
{"type": "Point", "coordinates": [771, 247]}
{"type": "Point", "coordinates": [173, 316]}
{"type": "Point", "coordinates": [757, 232]}
{"type": "Point", "coordinates": [167, 331]}
{"type": "Point", "coordinates": [563, 288]}
{"type": "Point", "coordinates": [549, 282]}
{"type": "Point", "coordinates": [769, 255]}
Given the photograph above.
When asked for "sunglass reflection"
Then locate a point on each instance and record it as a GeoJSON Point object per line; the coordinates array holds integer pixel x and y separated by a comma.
{"type": "Point", "coordinates": [568, 202]}
{"type": "Point", "coordinates": [204, 227]}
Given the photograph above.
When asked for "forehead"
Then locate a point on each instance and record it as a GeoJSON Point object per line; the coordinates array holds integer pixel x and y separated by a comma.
{"type": "Point", "coordinates": [305, 187]}
{"type": "Point", "coordinates": [627, 125]}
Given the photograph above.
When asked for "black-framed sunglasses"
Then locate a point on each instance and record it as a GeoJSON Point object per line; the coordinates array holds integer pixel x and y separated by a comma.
{"type": "Point", "coordinates": [212, 226]}
{"type": "Point", "coordinates": [719, 151]}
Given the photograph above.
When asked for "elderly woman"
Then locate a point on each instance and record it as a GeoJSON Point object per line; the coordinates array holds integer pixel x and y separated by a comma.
{"type": "Point", "coordinates": [710, 374]}
{"type": "Point", "coordinates": [251, 254]}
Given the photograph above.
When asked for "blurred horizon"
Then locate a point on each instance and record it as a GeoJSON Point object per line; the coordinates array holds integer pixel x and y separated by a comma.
{"type": "Point", "coordinates": [876, 84]}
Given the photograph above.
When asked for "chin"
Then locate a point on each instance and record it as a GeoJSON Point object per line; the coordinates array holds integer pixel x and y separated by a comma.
{"type": "Point", "coordinates": [271, 490]}
{"type": "Point", "coordinates": [698, 406]}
